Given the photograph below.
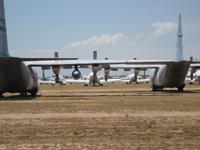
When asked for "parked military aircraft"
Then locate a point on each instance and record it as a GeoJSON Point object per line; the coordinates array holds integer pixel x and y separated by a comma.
{"type": "Point", "coordinates": [197, 76]}
{"type": "Point", "coordinates": [46, 82]}
{"type": "Point", "coordinates": [17, 74]}
{"type": "Point", "coordinates": [88, 80]}
{"type": "Point", "coordinates": [132, 78]}
{"type": "Point", "coordinates": [168, 74]}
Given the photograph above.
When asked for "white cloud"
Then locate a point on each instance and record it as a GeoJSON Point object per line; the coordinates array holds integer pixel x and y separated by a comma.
{"type": "Point", "coordinates": [139, 36]}
{"type": "Point", "coordinates": [105, 39]}
{"type": "Point", "coordinates": [163, 28]}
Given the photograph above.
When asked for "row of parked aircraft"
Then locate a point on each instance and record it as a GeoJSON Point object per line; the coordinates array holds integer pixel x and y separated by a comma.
{"type": "Point", "coordinates": [87, 80]}
{"type": "Point", "coordinates": [17, 75]}
{"type": "Point", "coordinates": [131, 78]}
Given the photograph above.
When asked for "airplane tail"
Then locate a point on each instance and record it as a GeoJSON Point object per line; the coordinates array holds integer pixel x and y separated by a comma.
{"type": "Point", "coordinates": [179, 46]}
{"type": "Point", "coordinates": [3, 32]}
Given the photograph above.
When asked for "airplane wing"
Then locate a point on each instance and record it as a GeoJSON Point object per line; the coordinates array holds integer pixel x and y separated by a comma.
{"type": "Point", "coordinates": [197, 62]}
{"type": "Point", "coordinates": [90, 62]}
{"type": "Point", "coordinates": [196, 65]}
{"type": "Point", "coordinates": [147, 65]}
{"type": "Point", "coordinates": [130, 67]}
{"type": "Point", "coordinates": [67, 62]}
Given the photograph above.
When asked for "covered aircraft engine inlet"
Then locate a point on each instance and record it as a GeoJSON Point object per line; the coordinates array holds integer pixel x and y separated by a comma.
{"type": "Point", "coordinates": [136, 72]}
{"type": "Point", "coordinates": [106, 71]}
{"type": "Point", "coordinates": [95, 69]}
{"type": "Point", "coordinates": [56, 71]}
{"type": "Point", "coordinates": [76, 74]}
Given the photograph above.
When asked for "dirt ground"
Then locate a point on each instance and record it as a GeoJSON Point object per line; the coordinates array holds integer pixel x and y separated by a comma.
{"type": "Point", "coordinates": [110, 117]}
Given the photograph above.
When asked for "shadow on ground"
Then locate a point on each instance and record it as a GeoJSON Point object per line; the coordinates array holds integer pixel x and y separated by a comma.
{"type": "Point", "coordinates": [17, 98]}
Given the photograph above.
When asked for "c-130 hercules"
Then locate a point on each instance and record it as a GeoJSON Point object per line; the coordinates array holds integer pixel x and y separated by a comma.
{"type": "Point", "coordinates": [17, 74]}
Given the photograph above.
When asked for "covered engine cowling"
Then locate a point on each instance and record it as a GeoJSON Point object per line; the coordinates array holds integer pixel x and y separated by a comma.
{"type": "Point", "coordinates": [107, 72]}
{"type": "Point", "coordinates": [136, 72]}
{"type": "Point", "coordinates": [56, 71]}
{"type": "Point", "coordinates": [76, 74]}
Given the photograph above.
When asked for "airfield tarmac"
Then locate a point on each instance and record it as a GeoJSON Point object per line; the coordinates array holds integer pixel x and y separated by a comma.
{"type": "Point", "coordinates": [108, 117]}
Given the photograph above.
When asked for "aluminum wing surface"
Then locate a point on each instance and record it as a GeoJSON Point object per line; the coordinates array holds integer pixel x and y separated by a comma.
{"type": "Point", "coordinates": [195, 65]}
{"type": "Point", "coordinates": [133, 66]}
{"type": "Point", "coordinates": [63, 63]}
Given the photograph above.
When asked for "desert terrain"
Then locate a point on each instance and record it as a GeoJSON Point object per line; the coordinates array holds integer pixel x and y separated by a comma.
{"type": "Point", "coordinates": [108, 117]}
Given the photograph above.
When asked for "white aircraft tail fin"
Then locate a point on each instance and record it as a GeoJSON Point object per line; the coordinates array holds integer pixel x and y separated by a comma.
{"type": "Point", "coordinates": [3, 32]}
{"type": "Point", "coordinates": [179, 46]}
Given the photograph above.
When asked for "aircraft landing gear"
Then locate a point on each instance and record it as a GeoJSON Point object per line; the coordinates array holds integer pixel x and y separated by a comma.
{"type": "Point", "coordinates": [23, 94]}
{"type": "Point", "coordinates": [180, 88]}
{"type": "Point", "coordinates": [156, 88]}
{"type": "Point", "coordinates": [95, 69]}
{"type": "Point", "coordinates": [34, 91]}
{"type": "Point", "coordinates": [1, 94]}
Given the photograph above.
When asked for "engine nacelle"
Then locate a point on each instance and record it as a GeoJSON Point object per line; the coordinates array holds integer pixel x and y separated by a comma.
{"type": "Point", "coordinates": [106, 72]}
{"type": "Point", "coordinates": [76, 74]}
{"type": "Point", "coordinates": [56, 70]}
{"type": "Point", "coordinates": [136, 71]}
{"type": "Point", "coordinates": [95, 68]}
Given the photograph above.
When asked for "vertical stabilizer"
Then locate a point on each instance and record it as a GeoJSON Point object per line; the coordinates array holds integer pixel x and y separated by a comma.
{"type": "Point", "coordinates": [179, 46]}
{"type": "Point", "coordinates": [3, 32]}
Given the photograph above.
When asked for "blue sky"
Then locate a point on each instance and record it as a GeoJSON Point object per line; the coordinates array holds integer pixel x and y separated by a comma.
{"type": "Point", "coordinates": [117, 29]}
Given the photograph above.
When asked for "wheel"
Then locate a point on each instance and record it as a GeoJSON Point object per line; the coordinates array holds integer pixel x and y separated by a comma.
{"type": "Point", "coordinates": [34, 91]}
{"type": "Point", "coordinates": [160, 89]}
{"type": "Point", "coordinates": [154, 88]}
{"type": "Point", "coordinates": [1, 94]}
{"type": "Point", "coordinates": [23, 93]}
{"type": "Point", "coordinates": [181, 87]}
{"type": "Point", "coordinates": [157, 88]}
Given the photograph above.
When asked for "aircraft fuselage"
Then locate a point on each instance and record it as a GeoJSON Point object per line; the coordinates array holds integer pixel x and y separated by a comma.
{"type": "Point", "coordinates": [15, 76]}
{"type": "Point", "coordinates": [171, 75]}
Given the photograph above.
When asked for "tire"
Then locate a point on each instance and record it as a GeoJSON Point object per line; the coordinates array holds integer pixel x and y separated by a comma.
{"type": "Point", "coordinates": [180, 88]}
{"type": "Point", "coordinates": [154, 88]}
{"type": "Point", "coordinates": [1, 94]}
{"type": "Point", "coordinates": [34, 91]}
